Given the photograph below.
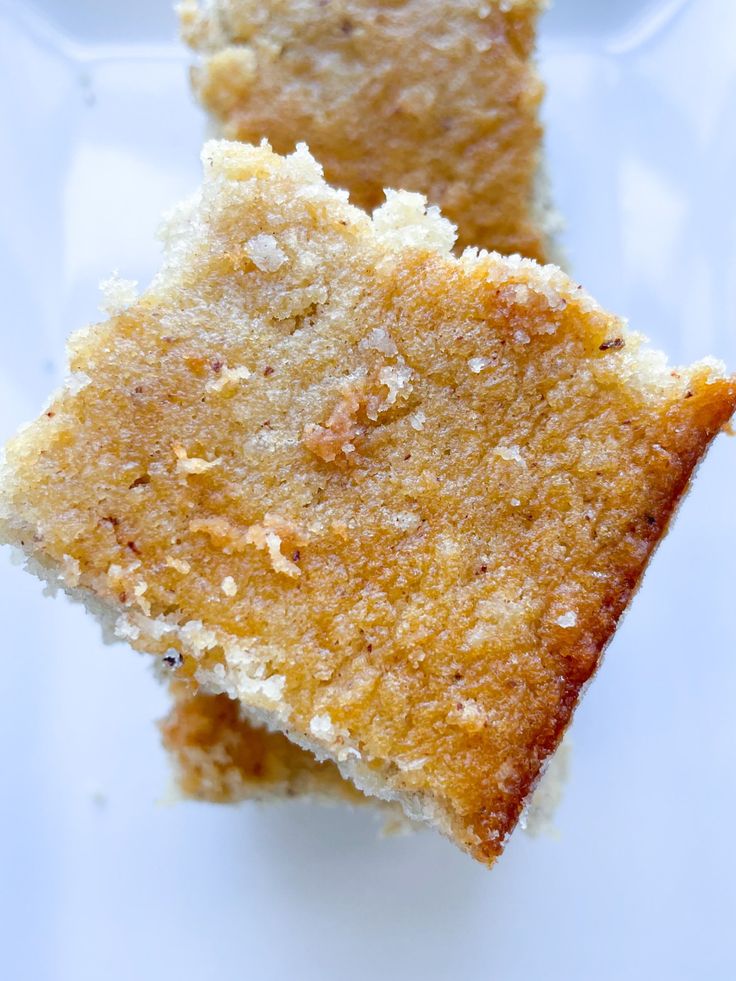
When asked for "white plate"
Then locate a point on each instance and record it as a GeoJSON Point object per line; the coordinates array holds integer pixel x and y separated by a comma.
{"type": "Point", "coordinates": [98, 879]}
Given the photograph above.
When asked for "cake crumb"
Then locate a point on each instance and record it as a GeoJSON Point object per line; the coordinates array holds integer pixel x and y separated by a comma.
{"type": "Point", "coordinates": [264, 537]}
{"type": "Point", "coordinates": [192, 464]}
{"type": "Point", "coordinates": [228, 378]}
{"type": "Point", "coordinates": [379, 340]}
{"type": "Point", "coordinates": [321, 725]}
{"type": "Point", "coordinates": [179, 565]}
{"type": "Point", "coordinates": [341, 428]}
{"type": "Point", "coordinates": [477, 365]}
{"type": "Point", "coordinates": [510, 453]}
{"type": "Point", "coordinates": [265, 252]}
{"type": "Point", "coordinates": [228, 586]}
{"type": "Point", "coordinates": [397, 379]}
{"type": "Point", "coordinates": [417, 420]}
{"type": "Point", "coordinates": [567, 620]}
{"type": "Point", "coordinates": [468, 713]}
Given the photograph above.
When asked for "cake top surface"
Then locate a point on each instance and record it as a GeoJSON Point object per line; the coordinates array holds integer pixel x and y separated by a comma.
{"type": "Point", "coordinates": [437, 98]}
{"type": "Point", "coordinates": [392, 501]}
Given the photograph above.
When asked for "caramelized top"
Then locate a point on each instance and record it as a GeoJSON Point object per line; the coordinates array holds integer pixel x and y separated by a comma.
{"type": "Point", "coordinates": [393, 501]}
{"type": "Point", "coordinates": [440, 98]}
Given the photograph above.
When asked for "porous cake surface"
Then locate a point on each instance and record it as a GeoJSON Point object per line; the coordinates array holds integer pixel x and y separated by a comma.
{"type": "Point", "coordinates": [440, 98]}
{"type": "Point", "coordinates": [393, 501]}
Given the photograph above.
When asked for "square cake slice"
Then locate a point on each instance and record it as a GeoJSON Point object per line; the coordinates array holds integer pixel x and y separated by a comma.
{"type": "Point", "coordinates": [392, 501]}
{"type": "Point", "coordinates": [441, 98]}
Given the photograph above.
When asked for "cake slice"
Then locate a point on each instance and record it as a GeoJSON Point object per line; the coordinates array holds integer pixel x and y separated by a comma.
{"type": "Point", "coordinates": [392, 501]}
{"type": "Point", "coordinates": [441, 98]}
{"type": "Point", "coordinates": [457, 120]}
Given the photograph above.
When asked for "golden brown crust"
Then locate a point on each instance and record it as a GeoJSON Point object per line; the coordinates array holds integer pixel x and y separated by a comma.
{"type": "Point", "coordinates": [425, 606]}
{"type": "Point", "coordinates": [437, 98]}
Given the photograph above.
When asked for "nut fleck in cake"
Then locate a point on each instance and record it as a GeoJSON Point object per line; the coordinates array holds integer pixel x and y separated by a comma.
{"type": "Point", "coordinates": [392, 501]}
{"type": "Point", "coordinates": [440, 98]}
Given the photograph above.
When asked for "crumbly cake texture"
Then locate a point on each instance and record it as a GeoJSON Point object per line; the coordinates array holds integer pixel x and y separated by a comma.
{"type": "Point", "coordinates": [393, 501]}
{"type": "Point", "coordinates": [441, 98]}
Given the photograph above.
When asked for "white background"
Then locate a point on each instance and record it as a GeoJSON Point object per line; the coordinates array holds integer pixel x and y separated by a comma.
{"type": "Point", "coordinates": [99, 879]}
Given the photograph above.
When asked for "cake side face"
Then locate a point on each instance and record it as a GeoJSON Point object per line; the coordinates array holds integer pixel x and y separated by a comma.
{"type": "Point", "coordinates": [392, 501]}
{"type": "Point", "coordinates": [220, 757]}
{"type": "Point", "coordinates": [442, 99]}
